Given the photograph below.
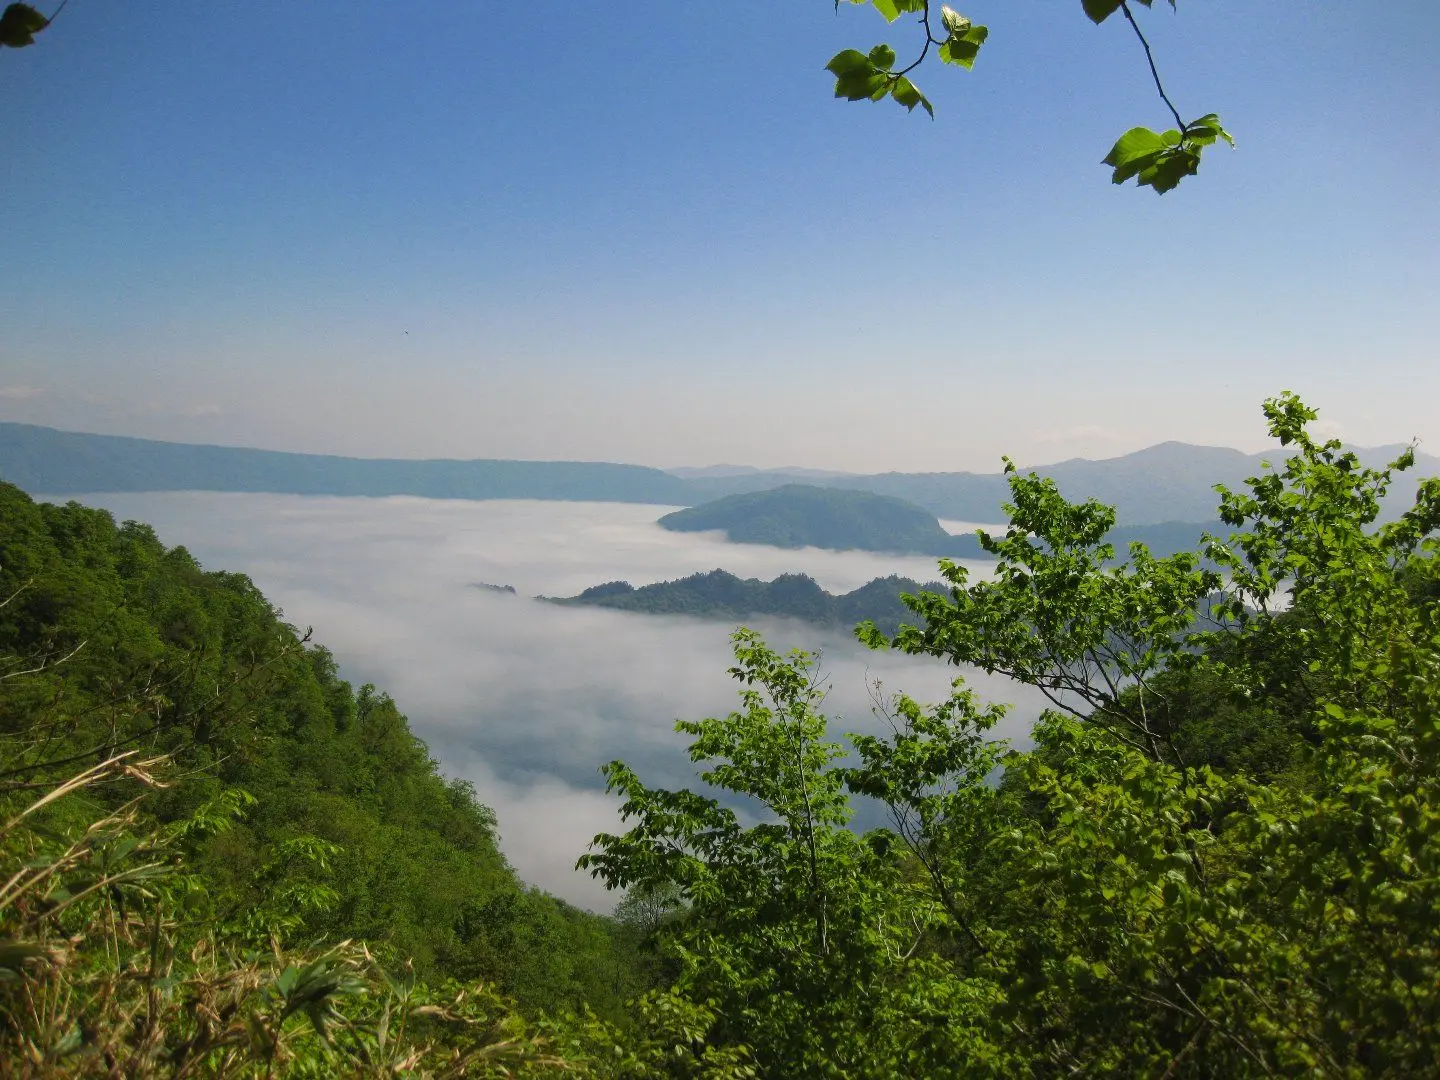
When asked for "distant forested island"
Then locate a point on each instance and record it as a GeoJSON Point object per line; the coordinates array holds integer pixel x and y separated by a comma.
{"type": "Point", "coordinates": [721, 595]}
{"type": "Point", "coordinates": [802, 515]}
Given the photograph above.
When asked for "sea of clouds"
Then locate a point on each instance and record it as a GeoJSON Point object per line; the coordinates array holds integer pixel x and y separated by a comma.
{"type": "Point", "coordinates": [524, 698]}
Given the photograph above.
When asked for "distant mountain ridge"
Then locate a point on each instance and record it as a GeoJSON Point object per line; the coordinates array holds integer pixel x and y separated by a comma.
{"type": "Point", "coordinates": [1165, 483]}
{"type": "Point", "coordinates": [1171, 481]}
{"type": "Point", "coordinates": [43, 460]}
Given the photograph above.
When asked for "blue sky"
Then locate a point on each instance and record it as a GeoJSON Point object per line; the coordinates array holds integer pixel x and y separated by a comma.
{"type": "Point", "coordinates": [648, 233]}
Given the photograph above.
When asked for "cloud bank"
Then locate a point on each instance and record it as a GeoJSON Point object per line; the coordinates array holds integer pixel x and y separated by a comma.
{"type": "Point", "coordinates": [524, 698]}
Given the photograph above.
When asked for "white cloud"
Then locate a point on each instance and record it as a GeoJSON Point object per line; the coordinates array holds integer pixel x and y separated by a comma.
{"type": "Point", "coordinates": [20, 393]}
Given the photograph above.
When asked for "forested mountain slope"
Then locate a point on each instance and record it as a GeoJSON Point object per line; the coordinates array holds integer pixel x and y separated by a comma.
{"type": "Point", "coordinates": [347, 828]}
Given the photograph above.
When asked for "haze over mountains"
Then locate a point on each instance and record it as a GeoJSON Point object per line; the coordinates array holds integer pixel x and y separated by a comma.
{"type": "Point", "coordinates": [839, 519]}
{"type": "Point", "coordinates": [1165, 483]}
{"type": "Point", "coordinates": [802, 515]}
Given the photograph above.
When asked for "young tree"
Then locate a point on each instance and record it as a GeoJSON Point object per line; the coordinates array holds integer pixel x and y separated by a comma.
{"type": "Point", "coordinates": [1157, 160]}
{"type": "Point", "coordinates": [1121, 901]}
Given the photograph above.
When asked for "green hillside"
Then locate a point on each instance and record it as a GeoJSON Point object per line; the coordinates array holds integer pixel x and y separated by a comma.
{"type": "Point", "coordinates": [346, 829]}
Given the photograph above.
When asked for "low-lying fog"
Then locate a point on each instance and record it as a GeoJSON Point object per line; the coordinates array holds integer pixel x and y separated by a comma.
{"type": "Point", "coordinates": [525, 698]}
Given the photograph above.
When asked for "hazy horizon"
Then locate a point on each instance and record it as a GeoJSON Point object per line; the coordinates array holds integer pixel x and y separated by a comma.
{"type": "Point", "coordinates": [731, 468]}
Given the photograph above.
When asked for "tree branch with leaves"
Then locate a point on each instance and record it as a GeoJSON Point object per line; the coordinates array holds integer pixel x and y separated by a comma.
{"type": "Point", "coordinates": [1158, 160]}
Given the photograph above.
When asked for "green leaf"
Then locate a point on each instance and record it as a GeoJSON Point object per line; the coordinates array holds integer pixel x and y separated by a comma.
{"type": "Point", "coordinates": [954, 22]}
{"type": "Point", "coordinates": [906, 93]}
{"type": "Point", "coordinates": [882, 57]}
{"type": "Point", "coordinates": [1133, 151]}
{"type": "Point", "coordinates": [1100, 10]}
{"type": "Point", "coordinates": [19, 24]}
{"type": "Point", "coordinates": [1169, 168]}
{"type": "Point", "coordinates": [856, 77]}
{"type": "Point", "coordinates": [961, 49]}
{"type": "Point", "coordinates": [888, 8]}
{"type": "Point", "coordinates": [1154, 160]}
{"type": "Point", "coordinates": [1206, 130]}
{"type": "Point", "coordinates": [859, 85]}
{"type": "Point", "coordinates": [847, 61]}
{"type": "Point", "coordinates": [1135, 143]}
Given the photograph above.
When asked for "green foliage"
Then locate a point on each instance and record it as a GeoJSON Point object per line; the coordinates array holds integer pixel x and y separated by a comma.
{"type": "Point", "coordinates": [668, 1037]}
{"type": "Point", "coordinates": [19, 23]}
{"type": "Point", "coordinates": [775, 931]}
{"type": "Point", "coordinates": [1161, 161]}
{"type": "Point", "coordinates": [1100, 10]}
{"type": "Point", "coordinates": [1155, 160]}
{"type": "Point", "coordinates": [309, 809]}
{"type": "Point", "coordinates": [104, 973]}
{"type": "Point", "coordinates": [871, 76]}
{"type": "Point", "coordinates": [1221, 858]}
{"type": "Point", "coordinates": [1060, 616]}
{"type": "Point", "coordinates": [964, 40]}
{"type": "Point", "coordinates": [868, 76]}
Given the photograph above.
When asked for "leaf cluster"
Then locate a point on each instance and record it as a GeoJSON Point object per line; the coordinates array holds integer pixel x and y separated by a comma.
{"type": "Point", "coordinates": [1157, 160]}
{"type": "Point", "coordinates": [872, 75]}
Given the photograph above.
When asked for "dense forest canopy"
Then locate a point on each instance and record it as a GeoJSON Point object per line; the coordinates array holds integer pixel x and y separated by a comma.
{"type": "Point", "coordinates": [299, 807]}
